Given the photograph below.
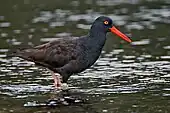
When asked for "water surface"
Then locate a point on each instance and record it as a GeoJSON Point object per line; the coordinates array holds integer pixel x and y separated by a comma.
{"type": "Point", "coordinates": [127, 78]}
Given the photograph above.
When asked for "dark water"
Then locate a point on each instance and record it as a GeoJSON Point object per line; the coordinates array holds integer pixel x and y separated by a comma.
{"type": "Point", "coordinates": [128, 78]}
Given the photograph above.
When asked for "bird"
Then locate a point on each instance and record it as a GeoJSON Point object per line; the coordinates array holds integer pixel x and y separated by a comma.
{"type": "Point", "coordinates": [67, 56]}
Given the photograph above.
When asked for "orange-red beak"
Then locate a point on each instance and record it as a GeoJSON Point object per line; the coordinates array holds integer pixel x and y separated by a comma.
{"type": "Point", "coordinates": [117, 32]}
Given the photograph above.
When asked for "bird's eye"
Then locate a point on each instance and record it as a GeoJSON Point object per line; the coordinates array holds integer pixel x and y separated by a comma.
{"type": "Point", "coordinates": [106, 22]}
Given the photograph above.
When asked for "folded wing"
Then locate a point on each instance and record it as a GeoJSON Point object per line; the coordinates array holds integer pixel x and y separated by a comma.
{"type": "Point", "coordinates": [53, 54]}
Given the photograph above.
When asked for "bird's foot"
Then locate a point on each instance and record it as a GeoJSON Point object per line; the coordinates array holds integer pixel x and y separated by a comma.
{"type": "Point", "coordinates": [57, 81]}
{"type": "Point", "coordinates": [62, 86]}
{"type": "Point", "coordinates": [57, 86]}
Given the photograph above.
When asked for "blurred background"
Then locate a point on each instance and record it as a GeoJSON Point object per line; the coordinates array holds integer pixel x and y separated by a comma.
{"type": "Point", "coordinates": [127, 78]}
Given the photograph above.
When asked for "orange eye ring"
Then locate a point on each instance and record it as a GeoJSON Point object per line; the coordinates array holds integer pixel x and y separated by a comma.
{"type": "Point", "coordinates": [106, 22]}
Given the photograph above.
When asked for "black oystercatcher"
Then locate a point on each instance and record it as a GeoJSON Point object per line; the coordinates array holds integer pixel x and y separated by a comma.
{"type": "Point", "coordinates": [65, 57]}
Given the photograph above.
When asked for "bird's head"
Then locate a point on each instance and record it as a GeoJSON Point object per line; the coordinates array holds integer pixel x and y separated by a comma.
{"type": "Point", "coordinates": [105, 24]}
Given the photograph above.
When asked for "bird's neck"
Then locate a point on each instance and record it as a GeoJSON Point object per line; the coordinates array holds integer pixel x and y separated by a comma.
{"type": "Point", "coordinates": [97, 37]}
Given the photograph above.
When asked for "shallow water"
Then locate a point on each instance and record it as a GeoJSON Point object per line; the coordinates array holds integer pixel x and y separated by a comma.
{"type": "Point", "coordinates": [127, 78]}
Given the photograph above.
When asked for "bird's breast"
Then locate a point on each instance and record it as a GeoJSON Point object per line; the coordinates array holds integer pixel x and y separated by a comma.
{"type": "Point", "coordinates": [87, 58]}
{"type": "Point", "coordinates": [88, 52]}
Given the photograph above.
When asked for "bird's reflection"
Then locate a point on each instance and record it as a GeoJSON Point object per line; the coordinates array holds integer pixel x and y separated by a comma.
{"type": "Point", "coordinates": [59, 98]}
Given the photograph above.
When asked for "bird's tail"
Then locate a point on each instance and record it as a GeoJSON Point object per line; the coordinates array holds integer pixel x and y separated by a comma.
{"type": "Point", "coordinates": [22, 53]}
{"type": "Point", "coordinates": [12, 52]}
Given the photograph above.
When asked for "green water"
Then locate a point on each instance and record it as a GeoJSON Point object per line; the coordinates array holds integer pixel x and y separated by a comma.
{"type": "Point", "coordinates": [127, 78]}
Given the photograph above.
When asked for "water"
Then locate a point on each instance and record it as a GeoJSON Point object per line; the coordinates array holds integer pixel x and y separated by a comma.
{"type": "Point", "coordinates": [127, 78]}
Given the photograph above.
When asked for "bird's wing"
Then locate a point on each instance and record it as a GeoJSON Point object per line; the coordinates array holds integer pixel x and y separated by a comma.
{"type": "Point", "coordinates": [53, 54]}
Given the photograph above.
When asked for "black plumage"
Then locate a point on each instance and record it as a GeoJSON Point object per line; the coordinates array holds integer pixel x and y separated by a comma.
{"type": "Point", "coordinates": [71, 55]}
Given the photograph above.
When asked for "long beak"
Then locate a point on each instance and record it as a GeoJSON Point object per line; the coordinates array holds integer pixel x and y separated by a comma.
{"type": "Point", "coordinates": [117, 32]}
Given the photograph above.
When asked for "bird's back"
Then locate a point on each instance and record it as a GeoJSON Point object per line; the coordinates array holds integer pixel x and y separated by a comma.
{"type": "Point", "coordinates": [54, 54]}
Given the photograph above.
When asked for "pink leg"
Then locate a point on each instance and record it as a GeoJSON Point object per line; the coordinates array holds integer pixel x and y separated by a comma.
{"type": "Point", "coordinates": [57, 81]}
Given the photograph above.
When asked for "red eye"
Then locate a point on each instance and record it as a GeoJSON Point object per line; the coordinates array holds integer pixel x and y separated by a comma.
{"type": "Point", "coordinates": [106, 22]}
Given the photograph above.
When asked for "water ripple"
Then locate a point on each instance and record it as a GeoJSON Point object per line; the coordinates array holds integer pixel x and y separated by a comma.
{"type": "Point", "coordinates": [120, 69]}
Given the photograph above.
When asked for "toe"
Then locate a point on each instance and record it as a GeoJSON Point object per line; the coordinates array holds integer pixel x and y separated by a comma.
{"type": "Point", "coordinates": [57, 86]}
